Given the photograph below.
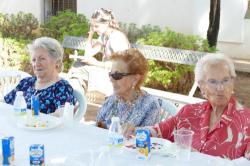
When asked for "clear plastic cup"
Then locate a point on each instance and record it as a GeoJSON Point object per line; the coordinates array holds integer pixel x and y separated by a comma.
{"type": "Point", "coordinates": [183, 140]}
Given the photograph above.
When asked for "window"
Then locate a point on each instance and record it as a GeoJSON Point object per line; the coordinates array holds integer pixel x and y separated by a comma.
{"type": "Point", "coordinates": [61, 5]}
{"type": "Point", "coordinates": [52, 7]}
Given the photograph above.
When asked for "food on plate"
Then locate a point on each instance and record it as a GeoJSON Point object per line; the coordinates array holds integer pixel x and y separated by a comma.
{"type": "Point", "coordinates": [154, 146]}
{"type": "Point", "coordinates": [37, 123]}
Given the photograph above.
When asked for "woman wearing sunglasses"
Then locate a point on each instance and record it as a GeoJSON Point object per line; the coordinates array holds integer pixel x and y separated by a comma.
{"type": "Point", "coordinates": [132, 105]}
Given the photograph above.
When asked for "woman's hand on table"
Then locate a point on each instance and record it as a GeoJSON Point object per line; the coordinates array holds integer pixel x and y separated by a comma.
{"type": "Point", "coordinates": [128, 130]}
{"type": "Point", "coordinates": [101, 125]}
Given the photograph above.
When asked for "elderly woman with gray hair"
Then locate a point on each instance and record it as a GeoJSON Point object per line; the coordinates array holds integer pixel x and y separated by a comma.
{"type": "Point", "coordinates": [46, 59]}
{"type": "Point", "coordinates": [221, 125]}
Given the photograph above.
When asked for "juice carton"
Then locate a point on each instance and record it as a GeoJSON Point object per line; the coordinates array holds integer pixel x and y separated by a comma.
{"type": "Point", "coordinates": [8, 151]}
{"type": "Point", "coordinates": [37, 155]}
{"type": "Point", "coordinates": [143, 143]}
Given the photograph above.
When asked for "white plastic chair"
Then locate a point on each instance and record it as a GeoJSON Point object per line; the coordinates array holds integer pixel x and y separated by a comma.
{"type": "Point", "coordinates": [9, 79]}
{"type": "Point", "coordinates": [79, 115]}
{"type": "Point", "coordinates": [168, 108]}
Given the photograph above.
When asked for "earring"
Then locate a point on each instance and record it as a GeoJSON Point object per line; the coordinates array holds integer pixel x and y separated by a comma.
{"type": "Point", "coordinates": [133, 85]}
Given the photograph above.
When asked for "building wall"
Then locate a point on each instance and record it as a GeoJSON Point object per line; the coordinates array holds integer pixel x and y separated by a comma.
{"type": "Point", "coordinates": [238, 50]}
{"type": "Point", "coordinates": [164, 13]}
{"type": "Point", "coordinates": [186, 16]}
{"type": "Point", "coordinates": [28, 6]}
{"type": "Point", "coordinates": [234, 34]}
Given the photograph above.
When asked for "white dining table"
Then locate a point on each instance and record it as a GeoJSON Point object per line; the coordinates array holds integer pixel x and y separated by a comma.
{"type": "Point", "coordinates": [81, 144]}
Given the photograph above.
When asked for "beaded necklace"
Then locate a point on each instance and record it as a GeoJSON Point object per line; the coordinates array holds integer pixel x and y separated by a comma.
{"type": "Point", "coordinates": [130, 106]}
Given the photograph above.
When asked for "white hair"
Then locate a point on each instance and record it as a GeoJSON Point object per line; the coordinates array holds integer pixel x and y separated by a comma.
{"type": "Point", "coordinates": [52, 46]}
{"type": "Point", "coordinates": [199, 70]}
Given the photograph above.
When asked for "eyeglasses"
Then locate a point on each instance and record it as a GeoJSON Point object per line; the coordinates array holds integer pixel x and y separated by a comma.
{"type": "Point", "coordinates": [215, 83]}
{"type": "Point", "coordinates": [117, 76]}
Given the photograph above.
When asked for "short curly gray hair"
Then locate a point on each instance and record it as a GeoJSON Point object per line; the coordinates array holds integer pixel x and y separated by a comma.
{"type": "Point", "coordinates": [52, 46]}
{"type": "Point", "coordinates": [201, 65]}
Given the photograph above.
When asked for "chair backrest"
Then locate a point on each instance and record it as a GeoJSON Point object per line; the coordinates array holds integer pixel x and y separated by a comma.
{"type": "Point", "coordinates": [79, 115]}
{"type": "Point", "coordinates": [167, 108]}
{"type": "Point", "coordinates": [9, 79]}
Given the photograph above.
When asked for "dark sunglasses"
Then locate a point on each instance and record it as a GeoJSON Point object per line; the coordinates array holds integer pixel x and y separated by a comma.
{"type": "Point", "coordinates": [117, 76]}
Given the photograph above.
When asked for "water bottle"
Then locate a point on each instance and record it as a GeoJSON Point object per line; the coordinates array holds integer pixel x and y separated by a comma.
{"type": "Point", "coordinates": [20, 106]}
{"type": "Point", "coordinates": [115, 137]}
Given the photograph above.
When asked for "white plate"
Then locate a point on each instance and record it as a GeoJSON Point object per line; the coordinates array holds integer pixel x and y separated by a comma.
{"type": "Point", "coordinates": [158, 145]}
{"type": "Point", "coordinates": [163, 147]}
{"type": "Point", "coordinates": [43, 122]}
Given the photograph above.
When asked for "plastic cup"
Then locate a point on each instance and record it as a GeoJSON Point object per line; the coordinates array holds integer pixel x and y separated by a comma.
{"type": "Point", "coordinates": [68, 114]}
{"type": "Point", "coordinates": [183, 140]}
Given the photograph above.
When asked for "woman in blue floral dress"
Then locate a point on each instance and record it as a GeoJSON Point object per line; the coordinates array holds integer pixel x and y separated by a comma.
{"type": "Point", "coordinates": [53, 91]}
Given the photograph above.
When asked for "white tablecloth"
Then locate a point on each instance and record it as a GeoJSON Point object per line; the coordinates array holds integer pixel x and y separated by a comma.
{"type": "Point", "coordinates": [84, 143]}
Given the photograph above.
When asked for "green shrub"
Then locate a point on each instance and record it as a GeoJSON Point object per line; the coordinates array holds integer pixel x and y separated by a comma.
{"type": "Point", "coordinates": [20, 25]}
{"type": "Point", "coordinates": [15, 54]}
{"type": "Point", "coordinates": [1, 22]}
{"type": "Point", "coordinates": [134, 33]}
{"type": "Point", "coordinates": [65, 23]}
{"type": "Point", "coordinates": [168, 76]}
{"type": "Point", "coordinates": [169, 38]}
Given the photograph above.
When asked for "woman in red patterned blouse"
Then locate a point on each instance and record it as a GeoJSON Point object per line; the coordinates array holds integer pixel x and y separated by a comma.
{"type": "Point", "coordinates": [221, 125]}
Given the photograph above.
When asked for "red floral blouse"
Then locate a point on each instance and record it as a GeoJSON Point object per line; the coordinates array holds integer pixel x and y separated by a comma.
{"type": "Point", "coordinates": [230, 137]}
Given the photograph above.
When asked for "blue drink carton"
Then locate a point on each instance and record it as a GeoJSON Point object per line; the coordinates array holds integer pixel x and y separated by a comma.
{"type": "Point", "coordinates": [8, 151]}
{"type": "Point", "coordinates": [143, 143]}
{"type": "Point", "coordinates": [37, 155]}
{"type": "Point", "coordinates": [35, 105]}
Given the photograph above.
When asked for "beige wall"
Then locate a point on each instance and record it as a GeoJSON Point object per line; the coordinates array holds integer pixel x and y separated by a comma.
{"type": "Point", "coordinates": [238, 50]}
{"type": "Point", "coordinates": [176, 14]}
{"type": "Point", "coordinates": [29, 6]}
{"type": "Point", "coordinates": [234, 34]}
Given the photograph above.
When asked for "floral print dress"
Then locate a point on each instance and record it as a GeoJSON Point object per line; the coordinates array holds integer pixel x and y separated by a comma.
{"type": "Point", "coordinates": [144, 111]}
{"type": "Point", "coordinates": [50, 98]}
